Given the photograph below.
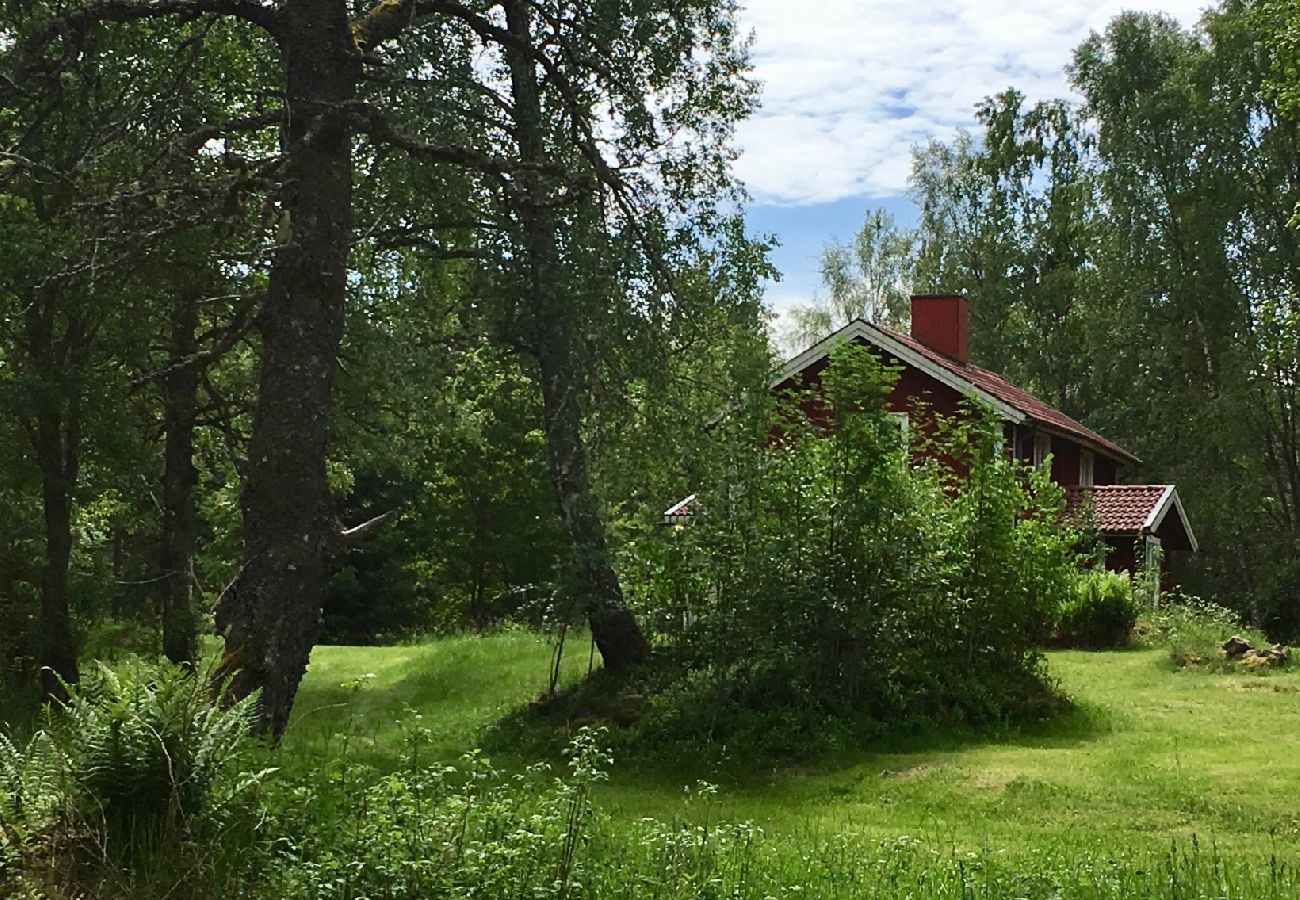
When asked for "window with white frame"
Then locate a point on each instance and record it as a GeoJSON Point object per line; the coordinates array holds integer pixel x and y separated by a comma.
{"type": "Point", "coordinates": [1085, 468]}
{"type": "Point", "coordinates": [1042, 447]}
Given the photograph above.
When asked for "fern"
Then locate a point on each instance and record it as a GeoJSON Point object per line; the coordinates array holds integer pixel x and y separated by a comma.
{"type": "Point", "coordinates": [137, 770]}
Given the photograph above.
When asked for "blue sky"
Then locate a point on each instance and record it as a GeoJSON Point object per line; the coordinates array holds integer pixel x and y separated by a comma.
{"type": "Point", "coordinates": [849, 86]}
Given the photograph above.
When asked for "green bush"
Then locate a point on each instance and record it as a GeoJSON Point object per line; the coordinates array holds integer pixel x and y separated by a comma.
{"type": "Point", "coordinates": [830, 574]}
{"type": "Point", "coordinates": [1192, 630]}
{"type": "Point", "coordinates": [131, 787]}
{"type": "Point", "coordinates": [1100, 614]}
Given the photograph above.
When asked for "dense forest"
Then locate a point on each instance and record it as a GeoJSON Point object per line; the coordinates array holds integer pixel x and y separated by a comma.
{"type": "Point", "coordinates": [343, 330]}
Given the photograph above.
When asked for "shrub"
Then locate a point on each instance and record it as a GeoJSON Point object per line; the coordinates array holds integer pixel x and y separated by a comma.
{"type": "Point", "coordinates": [130, 787]}
{"type": "Point", "coordinates": [1192, 629]}
{"type": "Point", "coordinates": [1100, 614]}
{"type": "Point", "coordinates": [828, 574]}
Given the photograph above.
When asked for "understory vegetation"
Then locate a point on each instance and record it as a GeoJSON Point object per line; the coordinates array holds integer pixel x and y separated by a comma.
{"type": "Point", "coordinates": [1100, 613]}
{"type": "Point", "coordinates": [1147, 789]}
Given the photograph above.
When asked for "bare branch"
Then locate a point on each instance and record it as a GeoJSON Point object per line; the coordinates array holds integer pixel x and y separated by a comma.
{"type": "Point", "coordinates": [220, 341]}
{"type": "Point", "coordinates": [350, 537]}
{"type": "Point", "coordinates": [193, 141]}
{"type": "Point", "coordinates": [370, 121]}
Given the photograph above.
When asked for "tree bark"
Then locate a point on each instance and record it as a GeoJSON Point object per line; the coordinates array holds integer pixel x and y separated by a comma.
{"type": "Point", "coordinates": [179, 522]}
{"type": "Point", "coordinates": [613, 627]}
{"type": "Point", "coordinates": [54, 430]}
{"type": "Point", "coordinates": [271, 617]}
{"type": "Point", "coordinates": [57, 452]}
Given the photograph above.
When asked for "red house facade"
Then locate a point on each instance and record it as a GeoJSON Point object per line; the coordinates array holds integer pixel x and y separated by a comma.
{"type": "Point", "coordinates": [1139, 523]}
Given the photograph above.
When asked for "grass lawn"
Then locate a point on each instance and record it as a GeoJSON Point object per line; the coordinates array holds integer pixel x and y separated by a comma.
{"type": "Point", "coordinates": [1151, 754]}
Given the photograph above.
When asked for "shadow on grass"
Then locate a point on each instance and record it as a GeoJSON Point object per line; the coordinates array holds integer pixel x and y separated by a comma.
{"type": "Point", "coordinates": [541, 730]}
{"type": "Point", "coordinates": [468, 693]}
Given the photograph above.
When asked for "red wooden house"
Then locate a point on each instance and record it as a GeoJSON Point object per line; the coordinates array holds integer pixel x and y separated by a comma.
{"type": "Point", "coordinates": [936, 375]}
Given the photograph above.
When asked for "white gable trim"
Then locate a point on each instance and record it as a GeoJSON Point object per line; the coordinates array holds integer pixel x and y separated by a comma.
{"type": "Point", "coordinates": [1170, 500]}
{"type": "Point", "coordinates": [872, 335]}
{"type": "Point", "coordinates": [1157, 514]}
{"type": "Point", "coordinates": [678, 512]}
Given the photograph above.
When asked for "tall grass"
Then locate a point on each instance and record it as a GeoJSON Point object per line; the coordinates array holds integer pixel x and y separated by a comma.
{"type": "Point", "coordinates": [470, 830]}
{"type": "Point", "coordinates": [740, 861]}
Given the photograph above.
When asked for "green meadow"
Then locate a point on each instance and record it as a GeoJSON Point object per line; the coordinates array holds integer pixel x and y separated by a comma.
{"type": "Point", "coordinates": [1150, 757]}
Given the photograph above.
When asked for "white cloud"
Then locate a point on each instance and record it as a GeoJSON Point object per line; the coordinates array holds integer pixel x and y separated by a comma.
{"type": "Point", "coordinates": [851, 85]}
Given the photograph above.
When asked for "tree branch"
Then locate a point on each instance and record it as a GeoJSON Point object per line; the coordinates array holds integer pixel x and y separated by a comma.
{"type": "Point", "coordinates": [264, 17]}
{"type": "Point", "coordinates": [371, 122]}
{"type": "Point", "coordinates": [386, 20]}
{"type": "Point", "coordinates": [221, 340]}
{"type": "Point", "coordinates": [350, 537]}
{"type": "Point", "coordinates": [193, 141]}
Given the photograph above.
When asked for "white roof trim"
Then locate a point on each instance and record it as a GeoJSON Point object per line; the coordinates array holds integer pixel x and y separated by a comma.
{"type": "Point", "coordinates": [868, 332]}
{"type": "Point", "coordinates": [1170, 500]}
{"type": "Point", "coordinates": [674, 514]}
{"type": "Point", "coordinates": [676, 508]}
{"type": "Point", "coordinates": [1157, 514]}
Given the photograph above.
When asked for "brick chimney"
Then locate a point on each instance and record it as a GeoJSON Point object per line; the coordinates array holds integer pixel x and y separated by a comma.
{"type": "Point", "coordinates": [942, 323]}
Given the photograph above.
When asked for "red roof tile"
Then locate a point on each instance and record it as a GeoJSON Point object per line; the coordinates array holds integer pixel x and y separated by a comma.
{"type": "Point", "coordinates": [1016, 397]}
{"type": "Point", "coordinates": [1118, 508]}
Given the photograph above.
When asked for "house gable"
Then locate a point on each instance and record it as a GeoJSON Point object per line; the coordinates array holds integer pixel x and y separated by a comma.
{"type": "Point", "coordinates": [815, 357]}
{"type": "Point", "coordinates": [1013, 404]}
{"type": "Point", "coordinates": [935, 380]}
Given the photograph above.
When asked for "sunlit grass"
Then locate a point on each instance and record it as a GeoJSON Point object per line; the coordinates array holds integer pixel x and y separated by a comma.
{"type": "Point", "coordinates": [366, 696]}
{"type": "Point", "coordinates": [1149, 756]}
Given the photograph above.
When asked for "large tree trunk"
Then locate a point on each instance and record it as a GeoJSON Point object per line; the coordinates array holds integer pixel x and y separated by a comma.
{"type": "Point", "coordinates": [613, 627]}
{"type": "Point", "coordinates": [271, 617]}
{"type": "Point", "coordinates": [179, 523]}
{"type": "Point", "coordinates": [57, 452]}
{"type": "Point", "coordinates": [56, 442]}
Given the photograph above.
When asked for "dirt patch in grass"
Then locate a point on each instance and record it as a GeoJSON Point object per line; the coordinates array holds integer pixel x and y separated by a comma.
{"type": "Point", "coordinates": [1256, 685]}
{"type": "Point", "coordinates": [993, 780]}
{"type": "Point", "coordinates": [909, 773]}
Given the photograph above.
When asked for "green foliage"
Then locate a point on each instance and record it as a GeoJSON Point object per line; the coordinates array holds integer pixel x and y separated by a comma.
{"type": "Point", "coordinates": [1100, 614]}
{"type": "Point", "coordinates": [1130, 259]}
{"type": "Point", "coordinates": [1192, 630]}
{"type": "Point", "coordinates": [829, 576]}
{"type": "Point", "coordinates": [1038, 813]}
{"type": "Point", "coordinates": [742, 861]}
{"type": "Point", "coordinates": [868, 279]}
{"type": "Point", "coordinates": [131, 786]}
{"type": "Point", "coordinates": [438, 830]}
{"type": "Point", "coordinates": [456, 448]}
{"type": "Point", "coordinates": [1140, 760]}
{"type": "Point", "coordinates": [1278, 22]}
{"type": "Point", "coordinates": [431, 829]}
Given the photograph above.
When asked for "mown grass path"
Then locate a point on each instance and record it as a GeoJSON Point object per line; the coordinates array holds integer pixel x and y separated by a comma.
{"type": "Point", "coordinates": [1151, 754]}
